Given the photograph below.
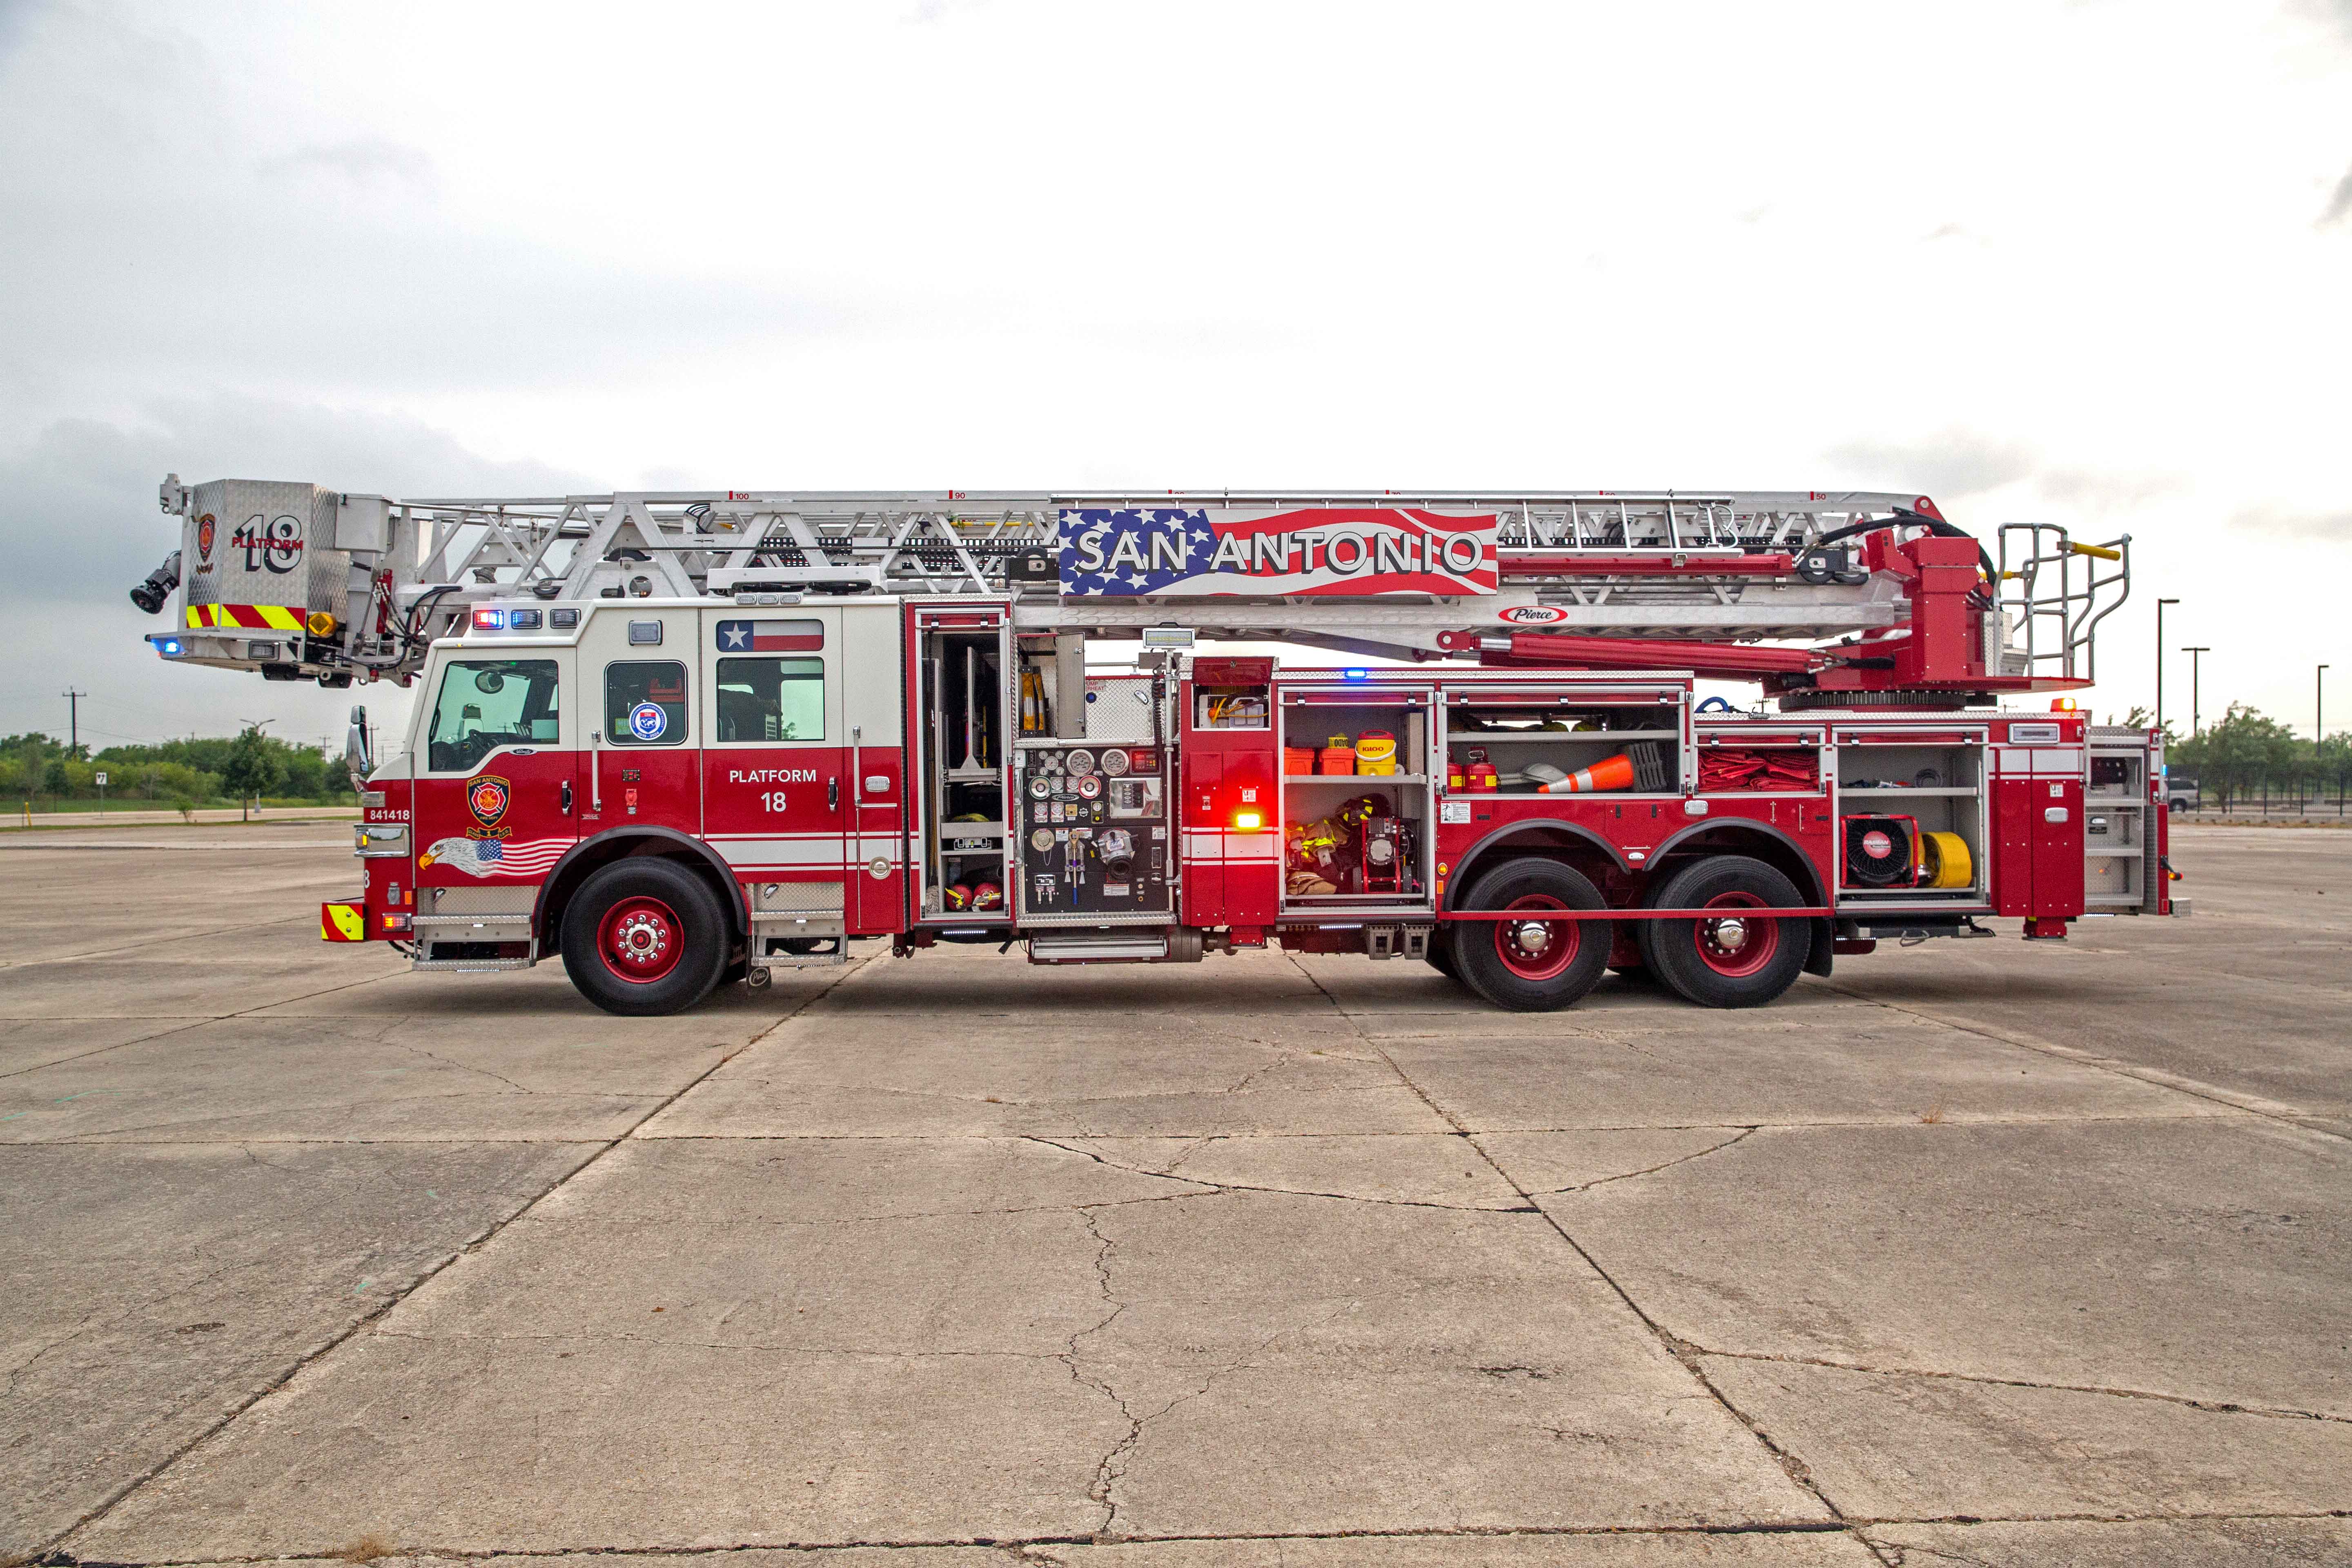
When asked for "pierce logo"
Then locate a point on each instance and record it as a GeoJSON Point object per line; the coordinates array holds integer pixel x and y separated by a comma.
{"type": "Point", "coordinates": [1531, 614]}
{"type": "Point", "coordinates": [206, 527]}
{"type": "Point", "coordinates": [487, 798]}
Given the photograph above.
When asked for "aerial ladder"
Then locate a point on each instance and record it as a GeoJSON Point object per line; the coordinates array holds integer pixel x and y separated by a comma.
{"type": "Point", "coordinates": [1824, 598]}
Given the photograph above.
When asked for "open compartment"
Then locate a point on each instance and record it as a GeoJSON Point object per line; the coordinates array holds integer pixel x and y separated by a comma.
{"type": "Point", "coordinates": [1912, 815]}
{"type": "Point", "coordinates": [1537, 743]}
{"type": "Point", "coordinates": [1752, 759]}
{"type": "Point", "coordinates": [1354, 799]}
{"type": "Point", "coordinates": [1092, 798]}
{"type": "Point", "coordinates": [2120, 855]}
{"type": "Point", "coordinates": [966, 739]}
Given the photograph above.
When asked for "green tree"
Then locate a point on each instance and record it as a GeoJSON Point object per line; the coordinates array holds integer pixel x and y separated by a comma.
{"type": "Point", "coordinates": [2333, 761]}
{"type": "Point", "coordinates": [250, 769]}
{"type": "Point", "coordinates": [2242, 750]}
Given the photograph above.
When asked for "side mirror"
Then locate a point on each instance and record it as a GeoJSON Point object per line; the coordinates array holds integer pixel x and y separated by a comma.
{"type": "Point", "coordinates": [358, 755]}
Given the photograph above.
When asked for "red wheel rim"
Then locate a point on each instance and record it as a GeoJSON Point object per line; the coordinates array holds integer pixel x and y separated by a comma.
{"type": "Point", "coordinates": [1537, 950]}
{"type": "Point", "coordinates": [1736, 946]}
{"type": "Point", "coordinates": [640, 940]}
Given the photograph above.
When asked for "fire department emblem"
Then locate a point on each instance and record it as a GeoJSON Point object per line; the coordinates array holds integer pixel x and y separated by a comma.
{"type": "Point", "coordinates": [206, 526]}
{"type": "Point", "coordinates": [487, 798]}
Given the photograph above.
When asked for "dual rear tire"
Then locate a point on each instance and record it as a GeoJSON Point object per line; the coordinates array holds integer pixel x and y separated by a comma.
{"type": "Point", "coordinates": [1744, 957]}
{"type": "Point", "coordinates": [1741, 958]}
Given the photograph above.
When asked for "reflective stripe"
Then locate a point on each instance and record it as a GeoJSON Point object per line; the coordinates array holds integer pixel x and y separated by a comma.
{"type": "Point", "coordinates": [2039, 761]}
{"type": "Point", "coordinates": [1215, 846]}
{"type": "Point", "coordinates": [246, 617]}
{"type": "Point", "coordinates": [816, 849]}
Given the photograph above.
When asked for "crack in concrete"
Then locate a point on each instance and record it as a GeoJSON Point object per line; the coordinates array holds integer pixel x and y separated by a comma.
{"type": "Point", "coordinates": [2214, 1406]}
{"type": "Point", "coordinates": [166, 1034]}
{"type": "Point", "coordinates": [1790, 1464]}
{"type": "Point", "coordinates": [873, 1353]}
{"type": "Point", "coordinates": [1524, 1207]}
{"type": "Point", "coordinates": [2155, 1078]}
{"type": "Point", "coordinates": [160, 940]}
{"type": "Point", "coordinates": [1108, 1468]}
{"type": "Point", "coordinates": [461, 1067]}
{"type": "Point", "coordinates": [114, 1136]}
{"type": "Point", "coordinates": [1628, 1175]}
{"type": "Point", "coordinates": [1032, 1549]}
{"type": "Point", "coordinates": [115, 1499]}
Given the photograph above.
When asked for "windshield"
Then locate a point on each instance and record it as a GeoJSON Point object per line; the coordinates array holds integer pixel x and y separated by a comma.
{"type": "Point", "coordinates": [486, 703]}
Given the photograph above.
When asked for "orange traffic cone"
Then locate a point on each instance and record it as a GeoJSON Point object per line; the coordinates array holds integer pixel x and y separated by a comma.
{"type": "Point", "coordinates": [1609, 772]}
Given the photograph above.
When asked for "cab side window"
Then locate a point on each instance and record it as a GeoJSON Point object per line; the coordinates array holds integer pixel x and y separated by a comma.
{"type": "Point", "coordinates": [644, 703]}
{"type": "Point", "coordinates": [771, 699]}
{"type": "Point", "coordinates": [486, 703]}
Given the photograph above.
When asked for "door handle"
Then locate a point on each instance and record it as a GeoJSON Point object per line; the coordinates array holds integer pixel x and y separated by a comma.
{"type": "Point", "coordinates": [833, 793]}
{"type": "Point", "coordinates": [567, 797]}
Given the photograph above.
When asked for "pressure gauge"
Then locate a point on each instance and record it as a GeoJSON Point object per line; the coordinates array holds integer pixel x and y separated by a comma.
{"type": "Point", "coordinates": [1082, 762]}
{"type": "Point", "coordinates": [1114, 763]}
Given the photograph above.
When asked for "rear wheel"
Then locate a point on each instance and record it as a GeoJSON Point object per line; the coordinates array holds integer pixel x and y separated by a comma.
{"type": "Point", "coordinates": [644, 936]}
{"type": "Point", "coordinates": [1527, 963]}
{"type": "Point", "coordinates": [1740, 958]}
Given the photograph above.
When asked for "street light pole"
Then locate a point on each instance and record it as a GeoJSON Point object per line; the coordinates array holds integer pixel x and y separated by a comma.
{"type": "Point", "coordinates": [2159, 662]}
{"type": "Point", "coordinates": [2196, 669]}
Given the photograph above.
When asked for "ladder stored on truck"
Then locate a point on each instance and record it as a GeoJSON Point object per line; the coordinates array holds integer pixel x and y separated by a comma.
{"type": "Point", "coordinates": [303, 583]}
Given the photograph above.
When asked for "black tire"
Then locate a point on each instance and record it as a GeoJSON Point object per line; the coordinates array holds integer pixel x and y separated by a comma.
{"type": "Point", "coordinates": [1693, 957]}
{"type": "Point", "coordinates": [640, 906]}
{"type": "Point", "coordinates": [1441, 954]}
{"type": "Point", "coordinates": [1548, 965]}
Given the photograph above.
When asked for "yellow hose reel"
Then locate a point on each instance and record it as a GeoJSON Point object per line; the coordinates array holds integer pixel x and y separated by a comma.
{"type": "Point", "coordinates": [1947, 863]}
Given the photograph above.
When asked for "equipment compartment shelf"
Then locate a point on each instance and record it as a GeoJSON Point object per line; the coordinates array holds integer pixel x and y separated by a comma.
{"type": "Point", "coordinates": [1294, 780]}
{"type": "Point", "coordinates": [1897, 792]}
{"type": "Point", "coordinates": [1591, 737]}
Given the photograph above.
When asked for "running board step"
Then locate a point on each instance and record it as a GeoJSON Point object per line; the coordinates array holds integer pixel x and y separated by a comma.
{"type": "Point", "coordinates": [1105, 944]}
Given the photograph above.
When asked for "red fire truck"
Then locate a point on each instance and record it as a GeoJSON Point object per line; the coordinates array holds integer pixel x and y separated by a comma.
{"type": "Point", "coordinates": [684, 738]}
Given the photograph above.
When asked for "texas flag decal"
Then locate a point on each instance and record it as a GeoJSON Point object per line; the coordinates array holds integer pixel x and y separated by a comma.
{"type": "Point", "coordinates": [771, 637]}
{"type": "Point", "coordinates": [1195, 551]}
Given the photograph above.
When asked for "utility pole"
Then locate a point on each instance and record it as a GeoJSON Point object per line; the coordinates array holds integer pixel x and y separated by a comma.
{"type": "Point", "coordinates": [2196, 667]}
{"type": "Point", "coordinates": [73, 697]}
{"type": "Point", "coordinates": [2159, 662]}
{"type": "Point", "coordinates": [2319, 707]}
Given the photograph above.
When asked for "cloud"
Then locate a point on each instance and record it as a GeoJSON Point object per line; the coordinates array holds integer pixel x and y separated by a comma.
{"type": "Point", "coordinates": [2339, 206]}
{"type": "Point", "coordinates": [1953, 463]}
{"type": "Point", "coordinates": [1956, 465]}
{"type": "Point", "coordinates": [2294, 522]}
{"type": "Point", "coordinates": [2336, 13]}
{"type": "Point", "coordinates": [2095, 490]}
{"type": "Point", "coordinates": [78, 525]}
{"type": "Point", "coordinates": [364, 160]}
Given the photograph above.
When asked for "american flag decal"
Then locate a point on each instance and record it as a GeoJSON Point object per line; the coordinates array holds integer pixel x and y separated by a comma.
{"type": "Point", "coordinates": [1195, 551]}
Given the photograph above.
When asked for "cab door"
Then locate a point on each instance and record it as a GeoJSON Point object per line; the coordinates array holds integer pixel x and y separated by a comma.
{"type": "Point", "coordinates": [637, 669]}
{"type": "Point", "coordinates": [497, 793]}
{"type": "Point", "coordinates": [775, 785]}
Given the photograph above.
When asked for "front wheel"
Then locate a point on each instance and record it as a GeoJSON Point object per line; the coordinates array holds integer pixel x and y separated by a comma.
{"type": "Point", "coordinates": [1740, 958]}
{"type": "Point", "coordinates": [645, 937]}
{"type": "Point", "coordinates": [1528, 963]}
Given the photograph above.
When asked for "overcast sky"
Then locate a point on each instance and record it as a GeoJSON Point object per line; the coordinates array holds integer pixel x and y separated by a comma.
{"type": "Point", "coordinates": [2089, 263]}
